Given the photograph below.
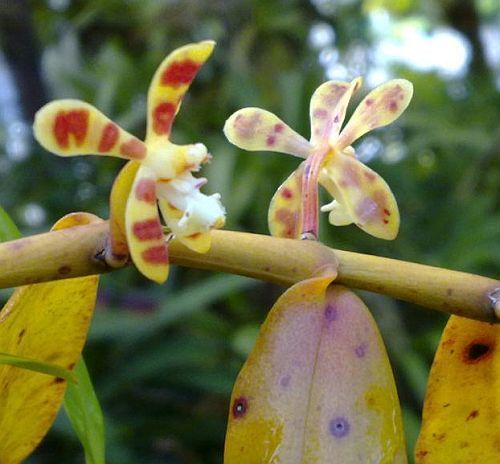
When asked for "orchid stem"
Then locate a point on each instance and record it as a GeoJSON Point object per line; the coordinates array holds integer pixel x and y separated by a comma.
{"type": "Point", "coordinates": [80, 251]}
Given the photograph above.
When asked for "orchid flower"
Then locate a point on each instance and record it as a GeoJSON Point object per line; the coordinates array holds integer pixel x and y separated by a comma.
{"type": "Point", "coordinates": [164, 174]}
{"type": "Point", "coordinates": [359, 194]}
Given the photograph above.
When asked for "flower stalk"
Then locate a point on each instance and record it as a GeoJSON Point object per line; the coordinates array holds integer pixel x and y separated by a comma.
{"type": "Point", "coordinates": [81, 250]}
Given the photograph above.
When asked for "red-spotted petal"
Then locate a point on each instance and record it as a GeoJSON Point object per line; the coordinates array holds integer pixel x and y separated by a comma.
{"type": "Point", "coordinates": [120, 192]}
{"type": "Point", "coordinates": [256, 129]}
{"type": "Point", "coordinates": [327, 110]}
{"type": "Point", "coordinates": [170, 83]}
{"type": "Point", "coordinates": [363, 194]}
{"type": "Point", "coordinates": [73, 127]}
{"type": "Point", "coordinates": [285, 215]}
{"type": "Point", "coordinates": [380, 107]}
{"type": "Point", "coordinates": [144, 232]}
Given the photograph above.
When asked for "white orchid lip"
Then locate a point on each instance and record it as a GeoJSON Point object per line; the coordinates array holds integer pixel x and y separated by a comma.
{"type": "Point", "coordinates": [200, 212]}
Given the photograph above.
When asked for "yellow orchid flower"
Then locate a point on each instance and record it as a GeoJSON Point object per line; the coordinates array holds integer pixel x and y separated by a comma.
{"type": "Point", "coordinates": [360, 195]}
{"type": "Point", "coordinates": [73, 127]}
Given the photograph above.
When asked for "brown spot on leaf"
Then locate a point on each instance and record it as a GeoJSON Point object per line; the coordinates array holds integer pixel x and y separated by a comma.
{"type": "Point", "coordinates": [472, 415]}
{"type": "Point", "coordinates": [21, 335]}
{"type": "Point", "coordinates": [65, 269]}
{"type": "Point", "coordinates": [240, 407]}
{"type": "Point", "coordinates": [439, 436]}
{"type": "Point", "coordinates": [477, 351]}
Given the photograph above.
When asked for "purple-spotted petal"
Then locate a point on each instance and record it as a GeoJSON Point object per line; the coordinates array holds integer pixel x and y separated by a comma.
{"type": "Point", "coordinates": [255, 129]}
{"type": "Point", "coordinates": [380, 107]}
{"type": "Point", "coordinates": [363, 194]}
{"type": "Point", "coordinates": [327, 110]}
{"type": "Point", "coordinates": [285, 211]}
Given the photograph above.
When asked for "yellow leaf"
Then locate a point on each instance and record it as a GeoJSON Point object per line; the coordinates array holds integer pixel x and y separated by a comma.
{"type": "Point", "coordinates": [47, 322]}
{"type": "Point", "coordinates": [318, 387]}
{"type": "Point", "coordinates": [461, 417]}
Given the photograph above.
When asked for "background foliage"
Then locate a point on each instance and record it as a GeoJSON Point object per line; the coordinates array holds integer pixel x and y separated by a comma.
{"type": "Point", "coordinates": [164, 359]}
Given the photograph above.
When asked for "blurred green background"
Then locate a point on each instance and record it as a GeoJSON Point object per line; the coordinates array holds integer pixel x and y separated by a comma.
{"type": "Point", "coordinates": [163, 358]}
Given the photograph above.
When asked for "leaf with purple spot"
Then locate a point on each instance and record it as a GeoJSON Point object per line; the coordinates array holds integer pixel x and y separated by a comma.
{"type": "Point", "coordinates": [317, 386]}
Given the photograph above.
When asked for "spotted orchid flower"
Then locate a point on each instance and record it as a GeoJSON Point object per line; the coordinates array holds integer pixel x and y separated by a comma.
{"type": "Point", "coordinates": [359, 194]}
{"type": "Point", "coordinates": [162, 171]}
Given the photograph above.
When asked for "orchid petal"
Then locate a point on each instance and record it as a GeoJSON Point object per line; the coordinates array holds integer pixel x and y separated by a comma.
{"type": "Point", "coordinates": [285, 210]}
{"type": "Point", "coordinates": [170, 83]}
{"type": "Point", "coordinates": [144, 232]}
{"type": "Point", "coordinates": [117, 205]}
{"type": "Point", "coordinates": [73, 127]}
{"type": "Point", "coordinates": [380, 107]}
{"type": "Point", "coordinates": [328, 108]}
{"type": "Point", "coordinates": [256, 129]}
{"type": "Point", "coordinates": [363, 194]}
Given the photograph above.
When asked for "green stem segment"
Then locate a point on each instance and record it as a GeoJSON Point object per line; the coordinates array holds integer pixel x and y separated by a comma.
{"type": "Point", "coordinates": [80, 251]}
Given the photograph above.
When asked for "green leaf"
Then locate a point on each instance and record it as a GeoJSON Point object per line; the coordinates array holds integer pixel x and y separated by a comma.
{"type": "Point", "coordinates": [37, 366]}
{"type": "Point", "coordinates": [85, 413]}
{"type": "Point", "coordinates": [8, 230]}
